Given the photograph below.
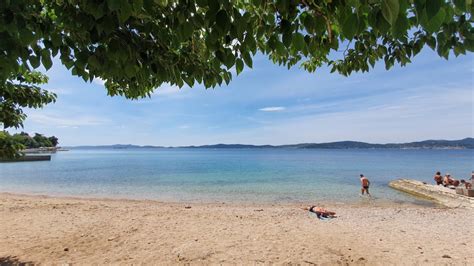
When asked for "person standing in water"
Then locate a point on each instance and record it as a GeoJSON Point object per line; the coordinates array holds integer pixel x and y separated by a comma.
{"type": "Point", "coordinates": [365, 185]}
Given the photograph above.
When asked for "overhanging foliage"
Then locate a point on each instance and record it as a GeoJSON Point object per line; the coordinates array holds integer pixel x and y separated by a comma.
{"type": "Point", "coordinates": [136, 46]}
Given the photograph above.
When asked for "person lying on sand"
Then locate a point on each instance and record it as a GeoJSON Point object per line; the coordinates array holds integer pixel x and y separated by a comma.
{"type": "Point", "coordinates": [321, 212]}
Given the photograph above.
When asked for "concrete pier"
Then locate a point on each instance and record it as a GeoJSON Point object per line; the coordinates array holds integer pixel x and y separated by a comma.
{"type": "Point", "coordinates": [439, 194]}
{"type": "Point", "coordinates": [30, 158]}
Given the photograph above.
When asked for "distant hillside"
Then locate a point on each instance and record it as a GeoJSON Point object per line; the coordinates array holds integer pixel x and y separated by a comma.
{"type": "Point", "coordinates": [467, 143]}
{"type": "Point", "coordinates": [230, 146]}
{"type": "Point", "coordinates": [115, 146]}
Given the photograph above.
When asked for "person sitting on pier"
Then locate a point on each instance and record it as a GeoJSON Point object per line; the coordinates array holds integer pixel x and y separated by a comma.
{"type": "Point", "coordinates": [438, 178]}
{"type": "Point", "coordinates": [456, 182]}
{"type": "Point", "coordinates": [467, 185]}
{"type": "Point", "coordinates": [448, 181]}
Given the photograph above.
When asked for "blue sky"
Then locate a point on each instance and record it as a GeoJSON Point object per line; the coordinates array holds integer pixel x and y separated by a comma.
{"type": "Point", "coordinates": [429, 99]}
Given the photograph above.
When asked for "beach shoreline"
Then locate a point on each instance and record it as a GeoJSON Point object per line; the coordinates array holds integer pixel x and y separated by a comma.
{"type": "Point", "coordinates": [46, 229]}
{"type": "Point", "coordinates": [362, 200]}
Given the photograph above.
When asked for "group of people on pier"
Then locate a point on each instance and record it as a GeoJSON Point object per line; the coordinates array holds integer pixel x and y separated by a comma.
{"type": "Point", "coordinates": [448, 181]}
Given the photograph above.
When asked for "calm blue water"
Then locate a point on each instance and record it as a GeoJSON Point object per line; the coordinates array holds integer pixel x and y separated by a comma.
{"type": "Point", "coordinates": [208, 175]}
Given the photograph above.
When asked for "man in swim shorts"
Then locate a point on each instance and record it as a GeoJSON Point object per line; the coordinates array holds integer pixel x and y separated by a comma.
{"type": "Point", "coordinates": [365, 184]}
{"type": "Point", "coordinates": [438, 178]}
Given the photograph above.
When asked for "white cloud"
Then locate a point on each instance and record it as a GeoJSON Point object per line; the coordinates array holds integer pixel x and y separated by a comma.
{"type": "Point", "coordinates": [60, 91]}
{"type": "Point", "coordinates": [166, 89]}
{"type": "Point", "coordinates": [272, 109]}
{"type": "Point", "coordinates": [65, 122]}
{"type": "Point", "coordinates": [99, 81]}
{"type": "Point", "coordinates": [434, 114]}
{"type": "Point", "coordinates": [184, 127]}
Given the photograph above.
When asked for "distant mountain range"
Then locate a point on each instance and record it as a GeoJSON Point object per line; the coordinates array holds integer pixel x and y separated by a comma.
{"type": "Point", "coordinates": [467, 143]}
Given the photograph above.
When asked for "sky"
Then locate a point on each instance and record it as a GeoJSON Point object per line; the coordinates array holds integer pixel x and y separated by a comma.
{"type": "Point", "coordinates": [429, 99]}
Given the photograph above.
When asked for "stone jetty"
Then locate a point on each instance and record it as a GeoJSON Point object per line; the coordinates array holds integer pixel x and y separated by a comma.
{"type": "Point", "coordinates": [439, 194]}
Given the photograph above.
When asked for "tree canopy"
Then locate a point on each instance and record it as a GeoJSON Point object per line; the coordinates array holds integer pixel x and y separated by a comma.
{"type": "Point", "coordinates": [136, 46]}
{"type": "Point", "coordinates": [12, 145]}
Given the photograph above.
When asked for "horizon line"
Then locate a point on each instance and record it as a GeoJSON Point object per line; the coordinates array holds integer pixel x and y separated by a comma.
{"type": "Point", "coordinates": [299, 143]}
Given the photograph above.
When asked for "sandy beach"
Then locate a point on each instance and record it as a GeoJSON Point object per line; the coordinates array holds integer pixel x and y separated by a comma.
{"type": "Point", "coordinates": [39, 229]}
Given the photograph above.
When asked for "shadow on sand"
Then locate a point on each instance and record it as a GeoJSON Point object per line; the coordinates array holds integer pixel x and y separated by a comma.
{"type": "Point", "coordinates": [13, 261]}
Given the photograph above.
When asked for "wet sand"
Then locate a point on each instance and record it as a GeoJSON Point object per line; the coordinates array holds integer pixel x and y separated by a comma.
{"type": "Point", "coordinates": [58, 230]}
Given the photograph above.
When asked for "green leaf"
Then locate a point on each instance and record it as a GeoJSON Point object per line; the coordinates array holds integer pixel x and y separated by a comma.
{"type": "Point", "coordinates": [469, 44]}
{"type": "Point", "coordinates": [26, 36]}
{"type": "Point", "coordinates": [399, 29]}
{"type": "Point", "coordinates": [309, 23]}
{"type": "Point", "coordinates": [282, 5]}
{"type": "Point", "coordinates": [433, 7]}
{"type": "Point", "coordinates": [229, 60]}
{"type": "Point", "coordinates": [222, 21]}
{"type": "Point", "coordinates": [286, 38]}
{"type": "Point", "coordinates": [202, 3]}
{"type": "Point", "coordinates": [419, 5]}
{"type": "Point", "coordinates": [162, 2]}
{"type": "Point", "coordinates": [221, 56]}
{"type": "Point", "coordinates": [129, 70]}
{"type": "Point", "coordinates": [56, 39]}
{"type": "Point", "coordinates": [34, 61]}
{"type": "Point", "coordinates": [298, 41]}
{"type": "Point", "coordinates": [390, 9]}
{"type": "Point", "coordinates": [431, 41]}
{"type": "Point", "coordinates": [461, 4]}
{"type": "Point", "coordinates": [74, 71]}
{"type": "Point", "coordinates": [187, 30]}
{"type": "Point", "coordinates": [96, 11]}
{"type": "Point", "coordinates": [459, 50]}
{"type": "Point", "coordinates": [320, 24]}
{"type": "Point", "coordinates": [435, 22]}
{"type": "Point", "coordinates": [125, 12]}
{"type": "Point", "coordinates": [46, 59]}
{"type": "Point", "coordinates": [189, 81]}
{"type": "Point", "coordinates": [247, 59]}
{"type": "Point", "coordinates": [93, 61]}
{"type": "Point", "coordinates": [350, 25]}
{"type": "Point", "coordinates": [239, 65]}
{"type": "Point", "coordinates": [114, 4]}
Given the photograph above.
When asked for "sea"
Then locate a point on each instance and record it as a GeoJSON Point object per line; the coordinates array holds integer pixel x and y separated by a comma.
{"type": "Point", "coordinates": [232, 175]}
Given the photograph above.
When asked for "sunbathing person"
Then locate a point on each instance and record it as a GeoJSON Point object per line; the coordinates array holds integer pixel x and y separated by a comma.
{"type": "Point", "coordinates": [447, 180]}
{"type": "Point", "coordinates": [321, 212]}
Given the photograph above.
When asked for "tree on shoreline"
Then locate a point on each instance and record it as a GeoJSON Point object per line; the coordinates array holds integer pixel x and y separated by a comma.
{"type": "Point", "coordinates": [12, 145]}
{"type": "Point", "coordinates": [136, 46]}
